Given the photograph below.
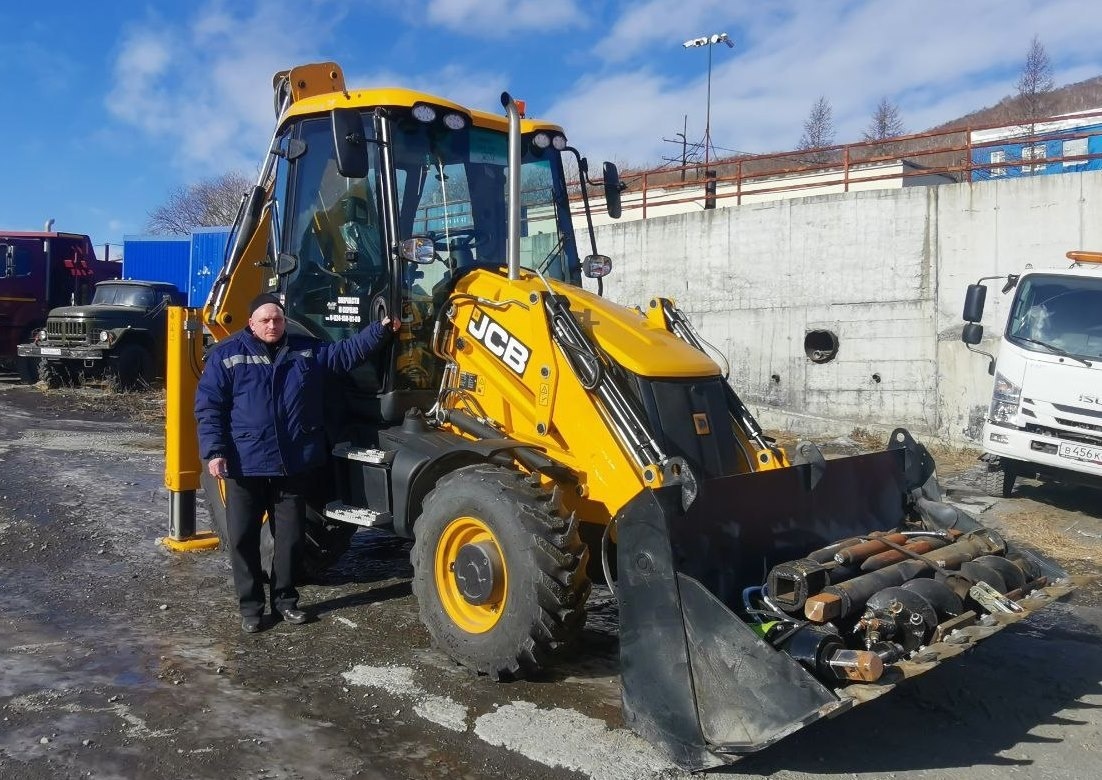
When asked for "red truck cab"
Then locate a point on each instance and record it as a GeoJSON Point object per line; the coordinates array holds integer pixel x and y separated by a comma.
{"type": "Point", "coordinates": [40, 271]}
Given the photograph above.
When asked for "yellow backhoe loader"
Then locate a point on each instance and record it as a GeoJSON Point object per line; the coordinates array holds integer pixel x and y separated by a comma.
{"type": "Point", "coordinates": [529, 435]}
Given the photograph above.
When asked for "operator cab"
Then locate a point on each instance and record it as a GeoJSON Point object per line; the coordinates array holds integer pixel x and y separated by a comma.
{"type": "Point", "coordinates": [411, 167]}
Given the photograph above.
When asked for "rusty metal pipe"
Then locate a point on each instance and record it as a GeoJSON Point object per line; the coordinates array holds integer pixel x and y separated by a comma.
{"type": "Point", "coordinates": [917, 546]}
{"type": "Point", "coordinates": [849, 597]}
{"type": "Point", "coordinates": [859, 552]}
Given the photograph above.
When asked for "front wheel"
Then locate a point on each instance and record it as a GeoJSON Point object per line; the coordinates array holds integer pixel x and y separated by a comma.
{"type": "Point", "coordinates": [998, 481]}
{"type": "Point", "coordinates": [55, 374]}
{"type": "Point", "coordinates": [133, 369]}
{"type": "Point", "coordinates": [498, 572]}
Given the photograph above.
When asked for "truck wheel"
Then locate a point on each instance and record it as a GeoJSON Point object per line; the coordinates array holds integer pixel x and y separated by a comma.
{"type": "Point", "coordinates": [498, 572]}
{"type": "Point", "coordinates": [56, 374]}
{"type": "Point", "coordinates": [998, 481]}
{"type": "Point", "coordinates": [216, 506]}
{"type": "Point", "coordinates": [133, 369]}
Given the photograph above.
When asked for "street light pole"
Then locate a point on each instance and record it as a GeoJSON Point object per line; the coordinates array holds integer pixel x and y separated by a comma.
{"type": "Point", "coordinates": [709, 41]}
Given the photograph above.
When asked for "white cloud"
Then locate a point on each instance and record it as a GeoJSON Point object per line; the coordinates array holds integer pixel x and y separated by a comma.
{"type": "Point", "coordinates": [937, 59]}
{"type": "Point", "coordinates": [497, 18]}
{"type": "Point", "coordinates": [201, 88]}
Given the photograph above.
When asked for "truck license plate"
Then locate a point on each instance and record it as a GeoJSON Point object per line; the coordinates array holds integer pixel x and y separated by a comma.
{"type": "Point", "coordinates": [1082, 452]}
{"type": "Point", "coordinates": [50, 350]}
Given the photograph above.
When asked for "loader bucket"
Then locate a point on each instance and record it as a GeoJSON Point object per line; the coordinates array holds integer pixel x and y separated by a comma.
{"type": "Point", "coordinates": [698, 681]}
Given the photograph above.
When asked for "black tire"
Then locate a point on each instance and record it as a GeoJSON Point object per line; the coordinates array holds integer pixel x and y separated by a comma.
{"type": "Point", "coordinates": [57, 374]}
{"type": "Point", "coordinates": [132, 369]}
{"type": "Point", "coordinates": [998, 481]}
{"type": "Point", "coordinates": [324, 542]}
{"type": "Point", "coordinates": [541, 609]}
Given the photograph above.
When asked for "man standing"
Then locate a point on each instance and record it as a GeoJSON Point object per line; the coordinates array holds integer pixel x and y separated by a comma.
{"type": "Point", "coordinates": [260, 410]}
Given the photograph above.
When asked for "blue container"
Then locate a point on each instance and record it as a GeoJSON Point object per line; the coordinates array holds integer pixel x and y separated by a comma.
{"type": "Point", "coordinates": [157, 259]}
{"type": "Point", "coordinates": [208, 249]}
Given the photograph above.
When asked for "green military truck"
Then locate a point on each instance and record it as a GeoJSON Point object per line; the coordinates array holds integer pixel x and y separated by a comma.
{"type": "Point", "coordinates": [118, 337]}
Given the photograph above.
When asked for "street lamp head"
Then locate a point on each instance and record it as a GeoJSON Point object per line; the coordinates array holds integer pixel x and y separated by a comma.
{"type": "Point", "coordinates": [722, 38]}
{"type": "Point", "coordinates": [695, 42]}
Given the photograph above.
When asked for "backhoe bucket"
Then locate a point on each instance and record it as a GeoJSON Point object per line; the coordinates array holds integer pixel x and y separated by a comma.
{"type": "Point", "coordinates": [698, 680]}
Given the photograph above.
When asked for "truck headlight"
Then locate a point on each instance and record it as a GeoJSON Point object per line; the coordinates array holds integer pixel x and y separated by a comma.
{"type": "Point", "coordinates": [1004, 399]}
{"type": "Point", "coordinates": [105, 336]}
{"type": "Point", "coordinates": [40, 335]}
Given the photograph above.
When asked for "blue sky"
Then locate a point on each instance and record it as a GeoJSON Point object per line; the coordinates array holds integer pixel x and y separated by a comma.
{"type": "Point", "coordinates": [109, 106]}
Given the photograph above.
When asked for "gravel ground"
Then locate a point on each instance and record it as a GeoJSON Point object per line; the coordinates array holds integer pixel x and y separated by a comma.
{"type": "Point", "coordinates": [119, 659]}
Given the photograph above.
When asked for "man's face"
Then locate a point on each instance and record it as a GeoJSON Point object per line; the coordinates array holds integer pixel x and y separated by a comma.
{"type": "Point", "coordinates": [267, 323]}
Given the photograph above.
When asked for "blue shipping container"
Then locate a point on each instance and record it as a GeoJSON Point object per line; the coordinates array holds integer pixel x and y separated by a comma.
{"type": "Point", "coordinates": [157, 259]}
{"type": "Point", "coordinates": [208, 248]}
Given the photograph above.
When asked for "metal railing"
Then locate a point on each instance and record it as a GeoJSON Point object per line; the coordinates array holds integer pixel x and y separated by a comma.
{"type": "Point", "coordinates": [941, 156]}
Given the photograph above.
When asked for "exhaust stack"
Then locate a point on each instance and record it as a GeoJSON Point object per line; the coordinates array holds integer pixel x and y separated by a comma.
{"type": "Point", "coordinates": [513, 245]}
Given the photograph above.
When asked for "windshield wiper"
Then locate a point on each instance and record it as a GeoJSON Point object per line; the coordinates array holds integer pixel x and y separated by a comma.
{"type": "Point", "coordinates": [1056, 350]}
{"type": "Point", "coordinates": [551, 255]}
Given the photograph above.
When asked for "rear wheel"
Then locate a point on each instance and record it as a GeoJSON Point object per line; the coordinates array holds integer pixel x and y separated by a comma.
{"type": "Point", "coordinates": [499, 573]}
{"type": "Point", "coordinates": [325, 541]}
{"type": "Point", "coordinates": [998, 481]}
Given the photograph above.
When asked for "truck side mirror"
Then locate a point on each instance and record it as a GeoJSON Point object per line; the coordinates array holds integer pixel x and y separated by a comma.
{"type": "Point", "coordinates": [973, 302]}
{"type": "Point", "coordinates": [611, 178]}
{"type": "Point", "coordinates": [349, 142]}
{"type": "Point", "coordinates": [972, 333]}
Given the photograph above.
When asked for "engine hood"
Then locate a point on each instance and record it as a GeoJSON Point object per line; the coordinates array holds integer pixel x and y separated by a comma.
{"type": "Point", "coordinates": [1061, 383]}
{"type": "Point", "coordinates": [123, 315]}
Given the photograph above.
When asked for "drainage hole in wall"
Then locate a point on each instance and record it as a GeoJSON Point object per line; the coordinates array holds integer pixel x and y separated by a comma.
{"type": "Point", "coordinates": [820, 346]}
{"type": "Point", "coordinates": [876, 378]}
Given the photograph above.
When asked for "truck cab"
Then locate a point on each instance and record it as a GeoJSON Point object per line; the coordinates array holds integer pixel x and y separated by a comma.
{"type": "Point", "coordinates": [119, 335]}
{"type": "Point", "coordinates": [38, 272]}
{"type": "Point", "coordinates": [1045, 417]}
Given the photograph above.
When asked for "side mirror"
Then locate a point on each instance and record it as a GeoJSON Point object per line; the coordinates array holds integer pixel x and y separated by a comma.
{"type": "Point", "coordinates": [973, 302]}
{"type": "Point", "coordinates": [597, 266]}
{"type": "Point", "coordinates": [350, 142]}
{"type": "Point", "coordinates": [972, 334]}
{"type": "Point", "coordinates": [611, 178]}
{"type": "Point", "coordinates": [421, 251]}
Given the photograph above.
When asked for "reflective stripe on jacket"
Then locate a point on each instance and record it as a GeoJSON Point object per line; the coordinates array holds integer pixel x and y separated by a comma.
{"type": "Point", "coordinates": [265, 415]}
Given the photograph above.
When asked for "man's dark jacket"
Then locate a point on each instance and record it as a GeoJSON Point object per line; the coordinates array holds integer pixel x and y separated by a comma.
{"type": "Point", "coordinates": [266, 415]}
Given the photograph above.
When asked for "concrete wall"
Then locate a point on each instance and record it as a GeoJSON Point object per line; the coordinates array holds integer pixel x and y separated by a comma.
{"type": "Point", "coordinates": [885, 271]}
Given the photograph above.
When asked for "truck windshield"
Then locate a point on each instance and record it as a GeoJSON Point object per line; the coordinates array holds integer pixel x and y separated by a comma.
{"type": "Point", "coordinates": [123, 295]}
{"type": "Point", "coordinates": [1057, 314]}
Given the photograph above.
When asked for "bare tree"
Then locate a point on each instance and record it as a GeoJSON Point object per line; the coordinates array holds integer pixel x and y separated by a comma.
{"type": "Point", "coordinates": [206, 203]}
{"type": "Point", "coordinates": [818, 130]}
{"type": "Point", "coordinates": [1035, 84]}
{"type": "Point", "coordinates": [886, 122]}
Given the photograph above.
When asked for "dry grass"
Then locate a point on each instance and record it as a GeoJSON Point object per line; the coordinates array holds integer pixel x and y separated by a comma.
{"type": "Point", "coordinates": [1040, 533]}
{"type": "Point", "coordinates": [146, 406]}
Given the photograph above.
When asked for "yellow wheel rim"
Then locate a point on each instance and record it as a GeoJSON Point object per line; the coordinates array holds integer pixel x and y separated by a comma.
{"type": "Point", "coordinates": [472, 618]}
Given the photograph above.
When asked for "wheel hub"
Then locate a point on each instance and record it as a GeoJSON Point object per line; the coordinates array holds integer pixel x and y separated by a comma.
{"type": "Point", "coordinates": [477, 571]}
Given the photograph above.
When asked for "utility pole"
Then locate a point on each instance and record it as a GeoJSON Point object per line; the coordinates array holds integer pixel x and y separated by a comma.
{"type": "Point", "coordinates": [709, 41]}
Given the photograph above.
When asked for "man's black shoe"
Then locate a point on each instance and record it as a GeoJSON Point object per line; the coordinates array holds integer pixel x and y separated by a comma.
{"type": "Point", "coordinates": [250, 624]}
{"type": "Point", "coordinates": [293, 615]}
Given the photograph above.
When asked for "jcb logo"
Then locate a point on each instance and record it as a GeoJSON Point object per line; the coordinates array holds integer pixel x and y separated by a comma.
{"type": "Point", "coordinates": [499, 341]}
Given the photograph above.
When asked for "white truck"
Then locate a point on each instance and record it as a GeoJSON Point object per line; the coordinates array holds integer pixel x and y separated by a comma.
{"type": "Point", "coordinates": [1045, 418]}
